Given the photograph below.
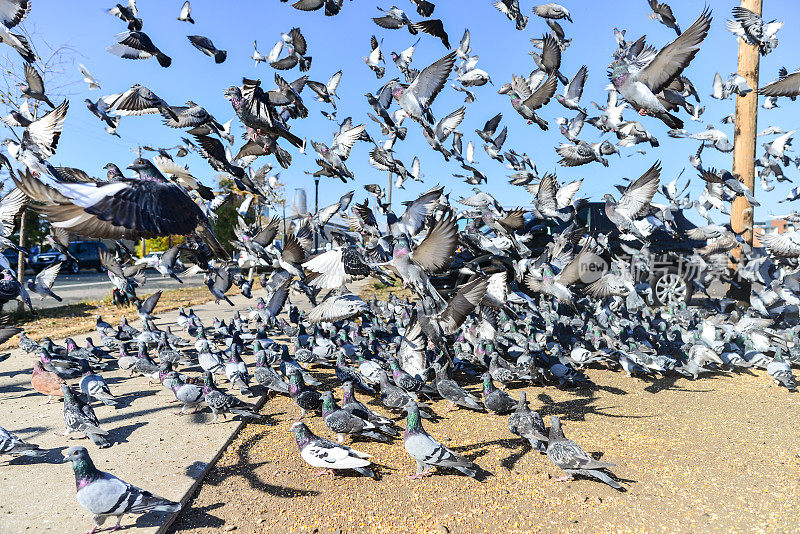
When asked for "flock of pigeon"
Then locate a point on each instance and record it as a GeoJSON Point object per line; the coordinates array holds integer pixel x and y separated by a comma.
{"type": "Point", "coordinates": [527, 317]}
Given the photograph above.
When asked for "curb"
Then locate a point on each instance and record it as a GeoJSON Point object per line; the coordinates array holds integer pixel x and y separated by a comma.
{"type": "Point", "coordinates": [262, 400]}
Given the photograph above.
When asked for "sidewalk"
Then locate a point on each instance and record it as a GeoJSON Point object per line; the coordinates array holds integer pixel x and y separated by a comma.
{"type": "Point", "coordinates": [153, 449]}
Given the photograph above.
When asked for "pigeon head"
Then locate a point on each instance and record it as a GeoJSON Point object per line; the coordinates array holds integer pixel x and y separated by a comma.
{"type": "Point", "coordinates": [488, 385]}
{"type": "Point", "coordinates": [328, 403]}
{"type": "Point", "coordinates": [85, 471]}
{"type": "Point", "coordinates": [347, 392]}
{"type": "Point", "coordinates": [139, 164]}
{"type": "Point", "coordinates": [618, 73]}
{"type": "Point", "coordinates": [76, 454]}
{"type": "Point", "coordinates": [555, 429]}
{"type": "Point", "coordinates": [401, 246]}
{"type": "Point", "coordinates": [301, 433]}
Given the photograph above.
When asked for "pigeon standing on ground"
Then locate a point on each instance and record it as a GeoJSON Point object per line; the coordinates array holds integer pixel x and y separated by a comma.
{"type": "Point", "coordinates": [570, 458]}
{"type": "Point", "coordinates": [428, 452]}
{"type": "Point", "coordinates": [13, 445]}
{"type": "Point", "coordinates": [104, 495]}
{"type": "Point", "coordinates": [528, 425]}
{"type": "Point", "coordinates": [79, 418]}
{"type": "Point", "coordinates": [325, 454]}
{"type": "Point", "coordinates": [496, 400]}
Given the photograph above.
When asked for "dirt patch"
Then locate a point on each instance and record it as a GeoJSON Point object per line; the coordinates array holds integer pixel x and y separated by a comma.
{"type": "Point", "coordinates": [721, 454]}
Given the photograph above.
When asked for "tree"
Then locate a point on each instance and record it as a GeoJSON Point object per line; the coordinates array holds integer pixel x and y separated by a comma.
{"type": "Point", "coordinates": [159, 244]}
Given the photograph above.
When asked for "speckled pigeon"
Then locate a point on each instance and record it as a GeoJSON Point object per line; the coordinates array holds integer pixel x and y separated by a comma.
{"type": "Point", "coordinates": [325, 454]}
{"type": "Point", "coordinates": [79, 418]}
{"type": "Point", "coordinates": [573, 460]}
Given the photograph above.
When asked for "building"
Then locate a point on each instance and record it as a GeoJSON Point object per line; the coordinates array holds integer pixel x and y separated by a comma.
{"type": "Point", "coordinates": [774, 226]}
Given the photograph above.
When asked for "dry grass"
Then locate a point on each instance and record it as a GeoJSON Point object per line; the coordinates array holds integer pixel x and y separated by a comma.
{"type": "Point", "coordinates": [66, 321]}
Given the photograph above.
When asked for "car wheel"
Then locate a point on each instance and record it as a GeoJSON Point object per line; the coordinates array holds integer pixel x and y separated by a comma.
{"type": "Point", "coordinates": [74, 268]}
{"type": "Point", "coordinates": [670, 288]}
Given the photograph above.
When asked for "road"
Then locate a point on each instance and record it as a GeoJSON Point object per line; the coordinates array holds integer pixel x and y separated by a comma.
{"type": "Point", "coordinates": [90, 285]}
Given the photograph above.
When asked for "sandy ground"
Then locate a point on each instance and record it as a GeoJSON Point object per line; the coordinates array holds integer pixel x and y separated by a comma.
{"type": "Point", "coordinates": [721, 454]}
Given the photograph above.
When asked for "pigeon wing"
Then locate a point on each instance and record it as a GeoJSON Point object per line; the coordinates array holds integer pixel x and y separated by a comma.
{"type": "Point", "coordinates": [435, 252]}
{"type": "Point", "coordinates": [676, 56]}
{"type": "Point", "coordinates": [637, 195]}
{"type": "Point", "coordinates": [432, 79]}
{"type": "Point", "coordinates": [47, 277]}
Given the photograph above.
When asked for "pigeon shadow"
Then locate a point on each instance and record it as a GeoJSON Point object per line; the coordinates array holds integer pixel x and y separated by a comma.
{"type": "Point", "coordinates": [121, 433]}
{"type": "Point", "coordinates": [244, 468]}
{"type": "Point", "coordinates": [51, 456]}
{"type": "Point", "coordinates": [511, 460]}
{"type": "Point", "coordinates": [577, 409]}
{"type": "Point", "coordinates": [148, 520]}
{"type": "Point", "coordinates": [192, 518]}
{"type": "Point", "coordinates": [611, 389]}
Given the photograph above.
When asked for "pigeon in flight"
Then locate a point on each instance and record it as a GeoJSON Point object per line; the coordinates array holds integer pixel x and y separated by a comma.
{"type": "Point", "coordinates": [186, 13]}
{"type": "Point", "coordinates": [640, 87]}
{"type": "Point", "coordinates": [205, 45]}
{"type": "Point", "coordinates": [137, 45]}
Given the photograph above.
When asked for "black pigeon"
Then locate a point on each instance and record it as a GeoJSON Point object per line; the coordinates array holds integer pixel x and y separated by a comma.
{"type": "Point", "coordinates": [137, 45]}
{"type": "Point", "coordinates": [433, 27]}
{"type": "Point", "coordinates": [148, 207]}
{"type": "Point", "coordinates": [127, 13]}
{"type": "Point", "coordinates": [205, 45]}
{"type": "Point", "coordinates": [305, 397]}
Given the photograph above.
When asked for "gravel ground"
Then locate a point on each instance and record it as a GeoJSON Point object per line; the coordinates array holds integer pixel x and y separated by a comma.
{"type": "Point", "coordinates": [719, 454]}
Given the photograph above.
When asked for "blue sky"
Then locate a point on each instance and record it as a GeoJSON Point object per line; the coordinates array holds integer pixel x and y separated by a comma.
{"type": "Point", "coordinates": [342, 41]}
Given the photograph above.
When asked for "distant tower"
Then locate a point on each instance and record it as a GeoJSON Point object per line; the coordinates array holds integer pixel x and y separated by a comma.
{"type": "Point", "coordinates": [299, 202]}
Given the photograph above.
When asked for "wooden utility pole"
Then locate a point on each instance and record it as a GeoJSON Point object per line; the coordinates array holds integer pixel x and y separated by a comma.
{"type": "Point", "coordinates": [744, 140]}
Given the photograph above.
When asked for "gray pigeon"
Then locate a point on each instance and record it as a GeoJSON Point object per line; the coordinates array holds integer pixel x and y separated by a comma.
{"type": "Point", "coordinates": [639, 86]}
{"type": "Point", "coordinates": [222, 403]}
{"type": "Point", "coordinates": [267, 376]}
{"type": "Point", "coordinates": [395, 398]}
{"type": "Point", "coordinates": [94, 386]}
{"type": "Point", "coordinates": [573, 460]}
{"type": "Point", "coordinates": [453, 393]}
{"type": "Point", "coordinates": [496, 400]}
{"type": "Point", "coordinates": [79, 418]}
{"type": "Point", "coordinates": [13, 445]}
{"type": "Point", "coordinates": [104, 495]}
{"type": "Point", "coordinates": [189, 395]}
{"type": "Point", "coordinates": [428, 452]}
{"type": "Point", "coordinates": [781, 372]}
{"type": "Point", "coordinates": [343, 422]}
{"type": "Point", "coordinates": [528, 424]}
